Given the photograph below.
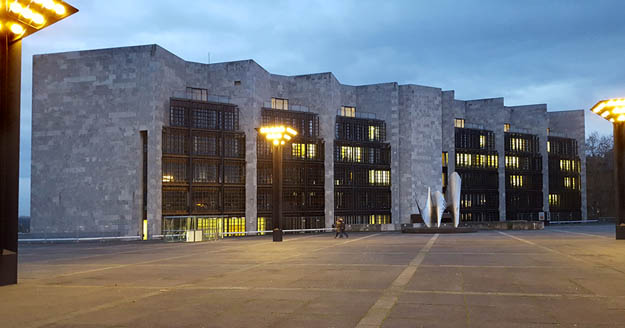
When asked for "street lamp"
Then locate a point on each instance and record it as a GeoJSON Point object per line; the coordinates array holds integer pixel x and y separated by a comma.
{"type": "Point", "coordinates": [18, 19]}
{"type": "Point", "coordinates": [613, 110]}
{"type": "Point", "coordinates": [278, 136]}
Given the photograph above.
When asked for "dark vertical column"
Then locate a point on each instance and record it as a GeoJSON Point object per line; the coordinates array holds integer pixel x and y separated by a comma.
{"type": "Point", "coordinates": [619, 177]}
{"type": "Point", "coordinates": [10, 76]}
{"type": "Point", "coordinates": [144, 185]}
{"type": "Point", "coordinates": [277, 193]}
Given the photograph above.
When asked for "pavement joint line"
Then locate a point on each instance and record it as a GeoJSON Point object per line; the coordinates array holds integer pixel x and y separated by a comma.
{"type": "Point", "coordinates": [380, 310]}
{"type": "Point", "coordinates": [581, 233]}
{"type": "Point", "coordinates": [496, 266]}
{"type": "Point", "coordinates": [561, 253]}
{"type": "Point", "coordinates": [333, 289]}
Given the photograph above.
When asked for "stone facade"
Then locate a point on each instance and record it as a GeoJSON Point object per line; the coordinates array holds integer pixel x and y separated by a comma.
{"type": "Point", "coordinates": [89, 108]}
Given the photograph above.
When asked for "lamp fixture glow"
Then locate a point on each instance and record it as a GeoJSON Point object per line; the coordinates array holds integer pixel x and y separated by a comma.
{"type": "Point", "coordinates": [15, 7]}
{"type": "Point", "coordinates": [278, 135]}
{"type": "Point", "coordinates": [612, 110]}
{"type": "Point", "coordinates": [17, 29]}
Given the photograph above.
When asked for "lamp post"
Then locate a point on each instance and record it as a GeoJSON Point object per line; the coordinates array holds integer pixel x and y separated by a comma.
{"type": "Point", "coordinates": [278, 136]}
{"type": "Point", "coordinates": [613, 110]}
{"type": "Point", "coordinates": [18, 19]}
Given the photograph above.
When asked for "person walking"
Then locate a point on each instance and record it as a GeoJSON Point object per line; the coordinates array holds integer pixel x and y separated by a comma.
{"type": "Point", "coordinates": [340, 229]}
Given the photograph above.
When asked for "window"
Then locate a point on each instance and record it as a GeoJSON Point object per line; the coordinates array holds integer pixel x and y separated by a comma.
{"type": "Point", "coordinates": [197, 94]}
{"type": "Point", "coordinates": [482, 142]}
{"type": "Point", "coordinates": [178, 116]}
{"type": "Point", "coordinates": [298, 150]}
{"type": "Point", "coordinates": [548, 146]}
{"type": "Point", "coordinates": [506, 127]}
{"type": "Point", "coordinates": [459, 123]}
{"type": "Point", "coordinates": [357, 154]}
{"type": "Point", "coordinates": [348, 111]}
{"type": "Point", "coordinates": [516, 180]}
{"type": "Point", "coordinates": [174, 170]}
{"type": "Point", "coordinates": [346, 154]}
{"type": "Point", "coordinates": [445, 159]}
{"type": "Point", "coordinates": [512, 162]}
{"type": "Point", "coordinates": [234, 173]}
{"type": "Point", "coordinates": [205, 171]}
{"type": "Point", "coordinates": [279, 103]}
{"type": "Point", "coordinates": [379, 177]}
{"type": "Point", "coordinates": [374, 133]}
{"type": "Point", "coordinates": [311, 151]}
{"type": "Point", "coordinates": [554, 200]}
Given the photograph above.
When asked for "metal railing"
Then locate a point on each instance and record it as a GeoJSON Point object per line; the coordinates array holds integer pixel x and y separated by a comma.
{"type": "Point", "coordinates": [209, 98]}
{"type": "Point", "coordinates": [297, 108]}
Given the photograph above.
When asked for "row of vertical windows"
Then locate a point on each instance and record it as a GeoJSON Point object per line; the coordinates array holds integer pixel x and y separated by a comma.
{"type": "Point", "coordinates": [279, 103]}
{"type": "Point", "coordinates": [176, 141]}
{"type": "Point", "coordinates": [380, 177]}
{"type": "Point", "coordinates": [357, 154]}
{"type": "Point", "coordinates": [306, 124]}
{"type": "Point", "coordinates": [357, 129]}
{"type": "Point", "coordinates": [570, 165]}
{"type": "Point", "coordinates": [359, 200]}
{"type": "Point", "coordinates": [365, 219]}
{"type": "Point", "coordinates": [524, 163]}
{"type": "Point", "coordinates": [474, 139]}
{"type": "Point", "coordinates": [203, 200]}
{"type": "Point", "coordinates": [347, 111]}
{"type": "Point", "coordinates": [516, 181]}
{"type": "Point", "coordinates": [570, 183]}
{"type": "Point", "coordinates": [224, 118]}
{"type": "Point", "coordinates": [303, 151]}
{"type": "Point", "coordinates": [521, 143]}
{"type": "Point", "coordinates": [476, 160]}
{"type": "Point", "coordinates": [562, 146]}
{"type": "Point", "coordinates": [175, 170]}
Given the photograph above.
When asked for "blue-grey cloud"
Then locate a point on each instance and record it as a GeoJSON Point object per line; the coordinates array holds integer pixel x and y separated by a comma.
{"type": "Point", "coordinates": [567, 54]}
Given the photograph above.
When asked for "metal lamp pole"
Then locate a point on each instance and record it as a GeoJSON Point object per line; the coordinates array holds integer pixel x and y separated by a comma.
{"type": "Point", "coordinates": [18, 19]}
{"type": "Point", "coordinates": [276, 182]}
{"type": "Point", "coordinates": [278, 136]}
{"type": "Point", "coordinates": [613, 110]}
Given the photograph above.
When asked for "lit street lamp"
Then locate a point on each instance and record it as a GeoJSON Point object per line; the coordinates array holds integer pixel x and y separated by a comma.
{"type": "Point", "coordinates": [18, 19]}
{"type": "Point", "coordinates": [278, 136]}
{"type": "Point", "coordinates": [613, 110]}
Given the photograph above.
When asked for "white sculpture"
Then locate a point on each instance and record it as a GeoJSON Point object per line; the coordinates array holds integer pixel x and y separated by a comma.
{"type": "Point", "coordinates": [426, 210]}
{"type": "Point", "coordinates": [453, 192]}
{"type": "Point", "coordinates": [437, 203]}
{"type": "Point", "coordinates": [439, 206]}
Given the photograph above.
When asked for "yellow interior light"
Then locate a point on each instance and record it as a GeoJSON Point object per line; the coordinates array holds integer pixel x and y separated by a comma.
{"type": "Point", "coordinates": [276, 142]}
{"type": "Point", "coordinates": [15, 7]}
{"type": "Point", "coordinates": [621, 118]}
{"type": "Point", "coordinates": [48, 4]}
{"type": "Point", "coordinates": [17, 29]}
{"type": "Point", "coordinates": [27, 13]}
{"type": "Point", "coordinates": [59, 9]}
{"type": "Point", "coordinates": [605, 114]}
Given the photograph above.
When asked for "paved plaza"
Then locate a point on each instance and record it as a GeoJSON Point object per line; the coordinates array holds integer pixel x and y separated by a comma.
{"type": "Point", "coordinates": [563, 276]}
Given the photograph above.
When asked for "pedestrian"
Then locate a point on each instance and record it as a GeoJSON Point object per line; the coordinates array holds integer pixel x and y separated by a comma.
{"type": "Point", "coordinates": [340, 229]}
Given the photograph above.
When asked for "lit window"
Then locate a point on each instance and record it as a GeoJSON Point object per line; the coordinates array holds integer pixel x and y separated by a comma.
{"type": "Point", "coordinates": [298, 150]}
{"type": "Point", "coordinates": [348, 111]}
{"type": "Point", "coordinates": [374, 133]}
{"type": "Point", "coordinates": [516, 181]}
{"type": "Point", "coordinates": [506, 127]}
{"type": "Point", "coordinates": [548, 146]}
{"type": "Point", "coordinates": [554, 200]}
{"type": "Point", "coordinates": [357, 154]}
{"type": "Point", "coordinates": [379, 177]}
{"type": "Point", "coordinates": [346, 153]}
{"type": "Point", "coordinates": [567, 182]}
{"type": "Point", "coordinates": [445, 158]}
{"type": "Point", "coordinates": [482, 141]}
{"type": "Point", "coordinates": [459, 123]}
{"type": "Point", "coordinates": [312, 151]}
{"type": "Point", "coordinates": [512, 162]}
{"type": "Point", "coordinates": [279, 103]}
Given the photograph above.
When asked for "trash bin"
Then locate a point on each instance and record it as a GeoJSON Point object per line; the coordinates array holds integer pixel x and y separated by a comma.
{"type": "Point", "coordinates": [277, 234]}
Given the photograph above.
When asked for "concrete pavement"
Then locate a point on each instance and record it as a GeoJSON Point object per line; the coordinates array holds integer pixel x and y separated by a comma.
{"type": "Point", "coordinates": [564, 276]}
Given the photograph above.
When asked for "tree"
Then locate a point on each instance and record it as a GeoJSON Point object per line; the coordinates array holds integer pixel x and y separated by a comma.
{"type": "Point", "coordinates": [600, 190]}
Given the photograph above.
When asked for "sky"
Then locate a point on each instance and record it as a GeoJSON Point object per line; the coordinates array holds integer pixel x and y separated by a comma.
{"type": "Point", "coordinates": [568, 54]}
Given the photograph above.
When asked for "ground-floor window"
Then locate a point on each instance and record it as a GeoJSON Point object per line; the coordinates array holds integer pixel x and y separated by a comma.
{"type": "Point", "coordinates": [176, 227]}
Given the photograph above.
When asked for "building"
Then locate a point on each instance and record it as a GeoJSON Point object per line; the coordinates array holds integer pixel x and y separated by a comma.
{"type": "Point", "coordinates": [135, 139]}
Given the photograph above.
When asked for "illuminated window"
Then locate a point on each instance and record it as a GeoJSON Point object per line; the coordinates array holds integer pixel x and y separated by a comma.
{"type": "Point", "coordinates": [459, 123]}
{"type": "Point", "coordinates": [197, 94]}
{"type": "Point", "coordinates": [512, 162]}
{"type": "Point", "coordinates": [445, 158]}
{"type": "Point", "coordinates": [516, 181]}
{"type": "Point", "coordinates": [312, 151]}
{"type": "Point", "coordinates": [357, 154]}
{"type": "Point", "coordinates": [279, 103]}
{"type": "Point", "coordinates": [374, 133]}
{"type": "Point", "coordinates": [298, 150]}
{"type": "Point", "coordinates": [379, 177]}
{"type": "Point", "coordinates": [506, 127]}
{"type": "Point", "coordinates": [554, 200]}
{"type": "Point", "coordinates": [379, 219]}
{"type": "Point", "coordinates": [348, 111]}
{"type": "Point", "coordinates": [518, 144]}
{"type": "Point", "coordinates": [482, 141]}
{"type": "Point", "coordinates": [548, 146]}
{"type": "Point", "coordinates": [346, 153]}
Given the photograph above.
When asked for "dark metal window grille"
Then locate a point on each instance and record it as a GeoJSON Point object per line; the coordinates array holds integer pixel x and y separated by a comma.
{"type": "Point", "coordinates": [264, 202]}
{"type": "Point", "coordinates": [175, 200]}
{"type": "Point", "coordinates": [178, 116]}
{"type": "Point", "coordinates": [175, 170]}
{"type": "Point", "coordinates": [205, 119]}
{"type": "Point", "coordinates": [234, 199]}
{"type": "Point", "coordinates": [264, 174]}
{"type": "Point", "coordinates": [206, 171]}
{"type": "Point", "coordinates": [206, 144]}
{"type": "Point", "coordinates": [234, 173]}
{"type": "Point", "coordinates": [197, 94]}
{"type": "Point", "coordinates": [234, 146]}
{"type": "Point", "coordinates": [206, 200]}
{"type": "Point", "coordinates": [175, 141]}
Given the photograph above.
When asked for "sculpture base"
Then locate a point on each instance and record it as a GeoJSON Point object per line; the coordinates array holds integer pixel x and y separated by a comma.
{"type": "Point", "coordinates": [438, 230]}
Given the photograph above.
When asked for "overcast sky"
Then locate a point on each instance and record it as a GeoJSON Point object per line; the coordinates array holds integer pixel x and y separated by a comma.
{"type": "Point", "coordinates": [568, 54]}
